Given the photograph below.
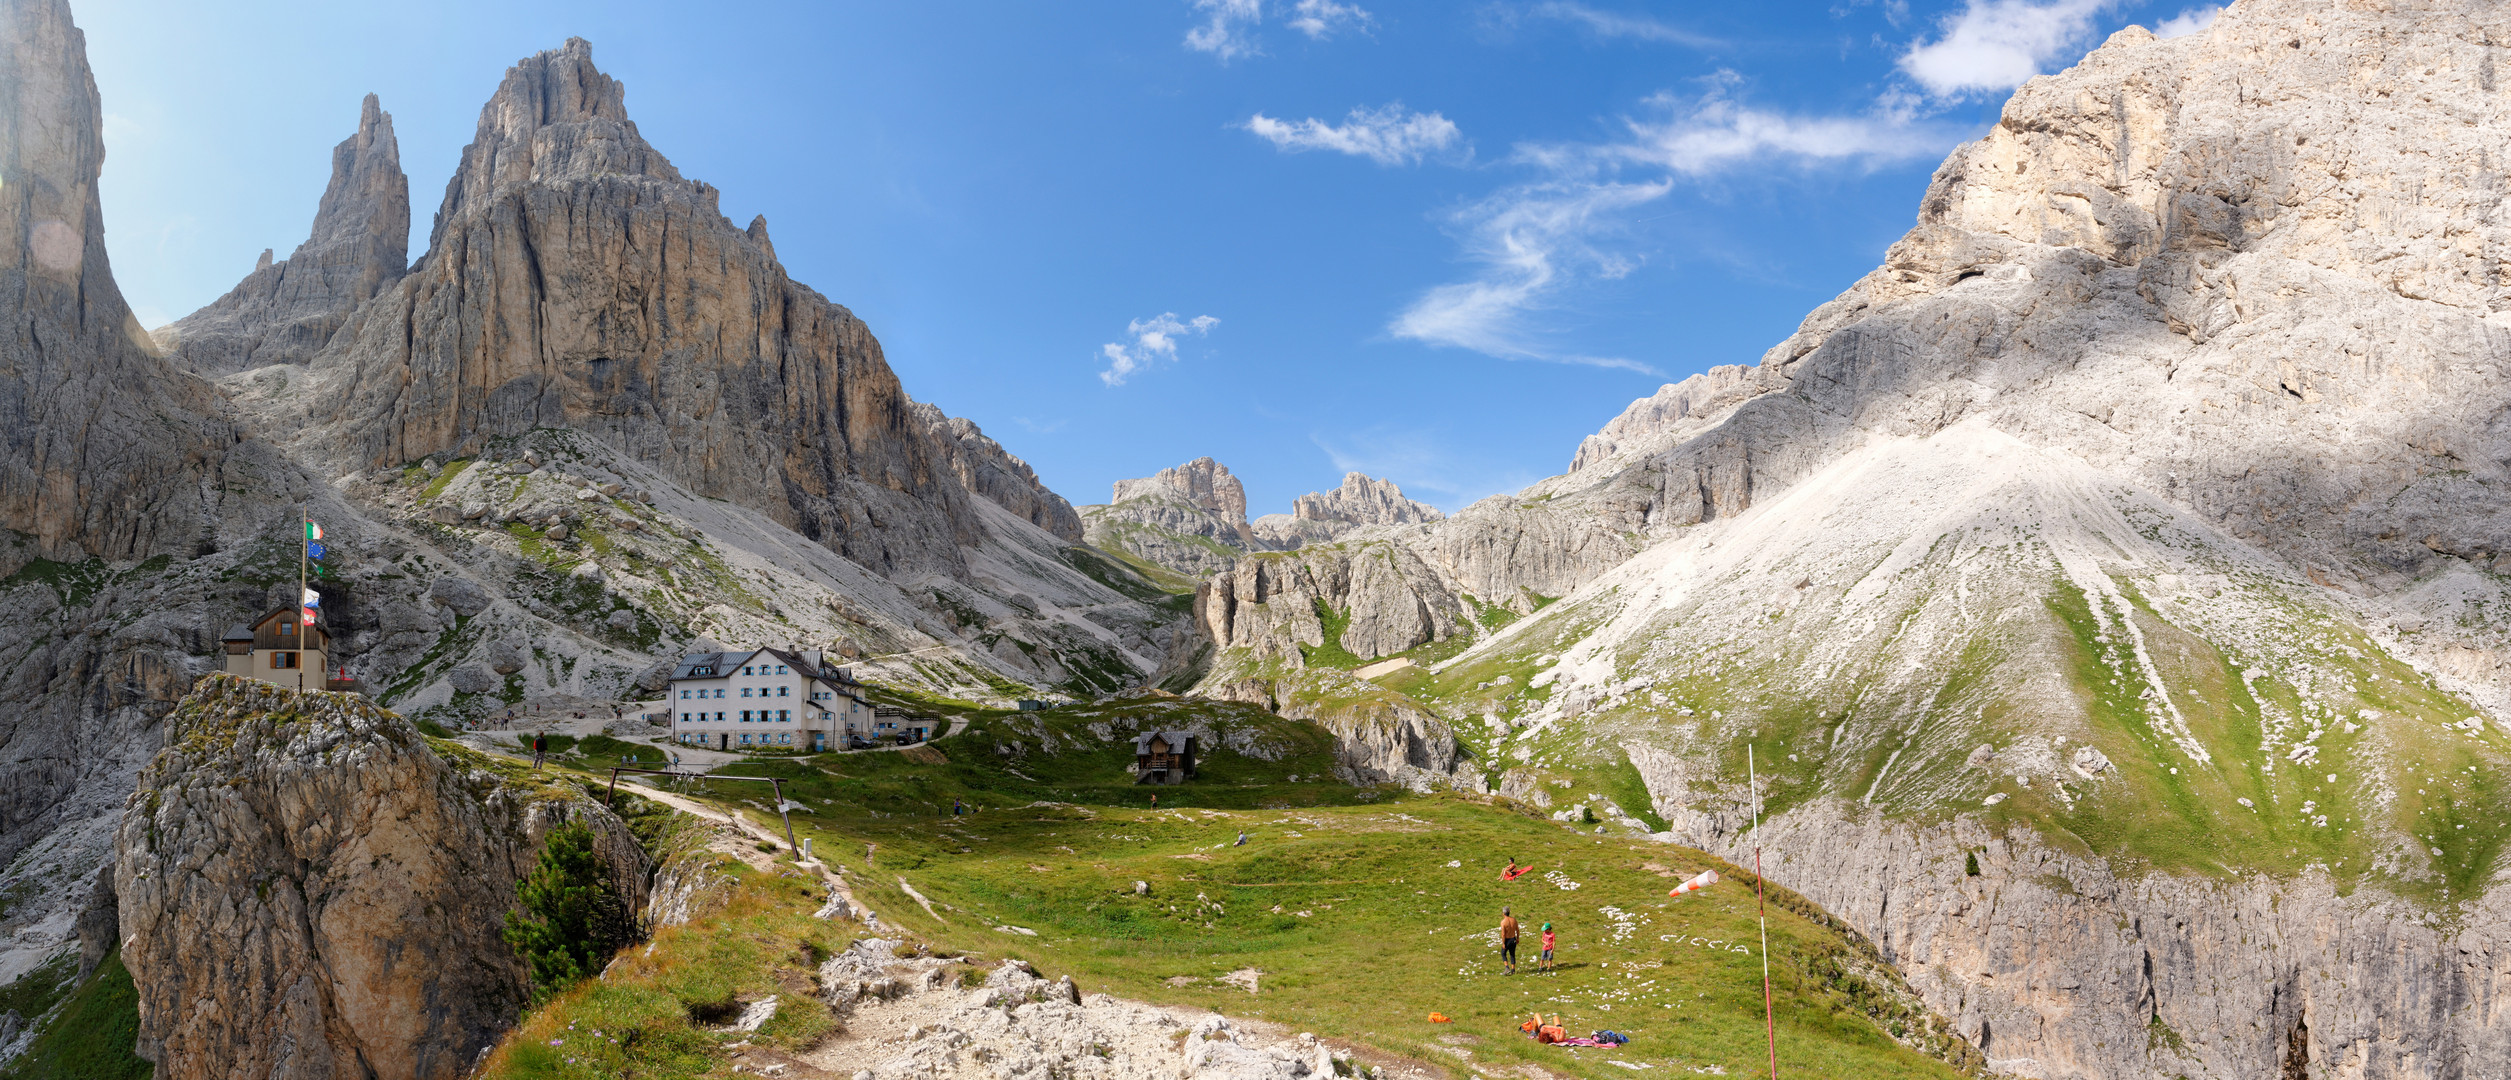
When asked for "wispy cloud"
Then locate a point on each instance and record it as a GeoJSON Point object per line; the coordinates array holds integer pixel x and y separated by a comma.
{"type": "Point", "coordinates": [1229, 26]}
{"type": "Point", "coordinates": [1992, 46]}
{"type": "Point", "coordinates": [1614, 24]}
{"type": "Point", "coordinates": [1391, 135]}
{"type": "Point", "coordinates": [1228, 30]}
{"type": "Point", "coordinates": [1321, 19]}
{"type": "Point", "coordinates": [2187, 22]}
{"type": "Point", "coordinates": [1154, 340]}
{"type": "Point", "coordinates": [1530, 240]}
{"type": "Point", "coordinates": [1535, 240]}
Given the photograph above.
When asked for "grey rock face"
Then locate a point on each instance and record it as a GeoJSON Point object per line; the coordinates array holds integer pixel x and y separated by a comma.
{"type": "Point", "coordinates": [990, 472]}
{"type": "Point", "coordinates": [285, 312]}
{"type": "Point", "coordinates": [574, 279]}
{"type": "Point", "coordinates": [307, 890]}
{"type": "Point", "coordinates": [1191, 519]}
{"type": "Point", "coordinates": [1319, 517]}
{"type": "Point", "coordinates": [105, 451]}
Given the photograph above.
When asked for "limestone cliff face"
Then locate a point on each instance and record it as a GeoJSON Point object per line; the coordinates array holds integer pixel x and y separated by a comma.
{"type": "Point", "coordinates": [110, 460]}
{"type": "Point", "coordinates": [2112, 508]}
{"type": "Point", "coordinates": [1321, 516]}
{"type": "Point", "coordinates": [306, 889]}
{"type": "Point", "coordinates": [104, 450]}
{"type": "Point", "coordinates": [575, 279]}
{"type": "Point", "coordinates": [285, 312]}
{"type": "Point", "coordinates": [990, 472]}
{"type": "Point", "coordinates": [1191, 519]}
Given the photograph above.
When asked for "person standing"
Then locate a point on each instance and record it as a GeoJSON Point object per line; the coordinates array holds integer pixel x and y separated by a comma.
{"type": "Point", "coordinates": [1548, 969]}
{"type": "Point", "coordinates": [1508, 940]}
{"type": "Point", "coordinates": [540, 747]}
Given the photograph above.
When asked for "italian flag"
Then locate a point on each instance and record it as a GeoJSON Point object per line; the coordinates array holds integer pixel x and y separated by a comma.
{"type": "Point", "coordinates": [313, 531]}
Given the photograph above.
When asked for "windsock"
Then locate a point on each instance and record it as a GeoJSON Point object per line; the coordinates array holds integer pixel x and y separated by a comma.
{"type": "Point", "coordinates": [1706, 879]}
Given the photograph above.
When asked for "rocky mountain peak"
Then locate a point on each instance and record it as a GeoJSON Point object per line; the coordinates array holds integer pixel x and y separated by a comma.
{"type": "Point", "coordinates": [1203, 483]}
{"type": "Point", "coordinates": [555, 117]}
{"type": "Point", "coordinates": [1363, 500]}
{"type": "Point", "coordinates": [284, 312]}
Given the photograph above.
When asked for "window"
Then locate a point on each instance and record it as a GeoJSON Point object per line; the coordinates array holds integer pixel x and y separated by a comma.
{"type": "Point", "coordinates": [745, 716]}
{"type": "Point", "coordinates": [745, 738]}
{"type": "Point", "coordinates": [784, 716]}
{"type": "Point", "coordinates": [719, 692]}
{"type": "Point", "coordinates": [684, 695]}
{"type": "Point", "coordinates": [281, 660]}
{"type": "Point", "coordinates": [745, 670]}
{"type": "Point", "coordinates": [780, 669]}
{"type": "Point", "coordinates": [786, 738]}
{"type": "Point", "coordinates": [784, 691]}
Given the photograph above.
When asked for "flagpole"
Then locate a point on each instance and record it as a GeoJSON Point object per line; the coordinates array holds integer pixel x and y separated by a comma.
{"type": "Point", "coordinates": [305, 628]}
{"type": "Point", "coordinates": [1769, 1015]}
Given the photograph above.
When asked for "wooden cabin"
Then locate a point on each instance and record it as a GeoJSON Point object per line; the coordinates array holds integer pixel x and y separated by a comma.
{"type": "Point", "coordinates": [276, 650]}
{"type": "Point", "coordinates": [1163, 757]}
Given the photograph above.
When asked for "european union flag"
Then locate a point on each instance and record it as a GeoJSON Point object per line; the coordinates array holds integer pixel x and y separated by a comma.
{"type": "Point", "coordinates": [314, 550]}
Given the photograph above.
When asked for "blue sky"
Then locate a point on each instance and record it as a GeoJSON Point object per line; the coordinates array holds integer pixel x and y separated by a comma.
{"type": "Point", "coordinates": [1437, 242]}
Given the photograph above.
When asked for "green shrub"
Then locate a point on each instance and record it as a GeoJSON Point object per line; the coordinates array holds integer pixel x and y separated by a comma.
{"type": "Point", "coordinates": [572, 920]}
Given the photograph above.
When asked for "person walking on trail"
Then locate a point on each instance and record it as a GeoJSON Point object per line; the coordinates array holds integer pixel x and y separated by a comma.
{"type": "Point", "coordinates": [1546, 960]}
{"type": "Point", "coordinates": [540, 747]}
{"type": "Point", "coordinates": [1508, 940]}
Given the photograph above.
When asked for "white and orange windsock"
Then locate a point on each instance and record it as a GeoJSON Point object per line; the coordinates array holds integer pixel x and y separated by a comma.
{"type": "Point", "coordinates": [1706, 879]}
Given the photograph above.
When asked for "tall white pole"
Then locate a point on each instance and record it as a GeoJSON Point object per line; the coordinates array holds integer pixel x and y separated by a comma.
{"type": "Point", "coordinates": [305, 627]}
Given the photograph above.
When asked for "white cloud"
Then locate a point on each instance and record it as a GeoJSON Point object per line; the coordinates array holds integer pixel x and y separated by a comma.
{"type": "Point", "coordinates": [2187, 22]}
{"type": "Point", "coordinates": [1228, 31]}
{"type": "Point", "coordinates": [1535, 240]}
{"type": "Point", "coordinates": [1320, 19]}
{"type": "Point", "coordinates": [1993, 46]}
{"type": "Point", "coordinates": [1714, 132]}
{"type": "Point", "coordinates": [1154, 340]}
{"type": "Point", "coordinates": [1616, 24]}
{"type": "Point", "coordinates": [1391, 135]}
{"type": "Point", "coordinates": [1229, 26]}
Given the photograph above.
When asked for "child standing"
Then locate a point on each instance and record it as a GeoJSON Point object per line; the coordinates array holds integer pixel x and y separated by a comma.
{"type": "Point", "coordinates": [1547, 950]}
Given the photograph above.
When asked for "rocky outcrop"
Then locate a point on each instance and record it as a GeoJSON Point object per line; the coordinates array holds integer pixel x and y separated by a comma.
{"type": "Point", "coordinates": [285, 312]}
{"type": "Point", "coordinates": [1322, 516]}
{"type": "Point", "coordinates": [990, 472]}
{"type": "Point", "coordinates": [1017, 1023]}
{"type": "Point", "coordinates": [575, 279]}
{"type": "Point", "coordinates": [1380, 736]}
{"type": "Point", "coordinates": [2054, 965]}
{"type": "Point", "coordinates": [1380, 597]}
{"type": "Point", "coordinates": [306, 889]}
{"type": "Point", "coordinates": [1191, 519]}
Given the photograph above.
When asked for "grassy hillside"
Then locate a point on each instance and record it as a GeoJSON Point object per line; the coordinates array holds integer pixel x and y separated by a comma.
{"type": "Point", "coordinates": [1354, 912]}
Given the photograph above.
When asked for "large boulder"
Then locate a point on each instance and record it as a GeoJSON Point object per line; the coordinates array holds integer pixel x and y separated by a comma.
{"type": "Point", "coordinates": [307, 889]}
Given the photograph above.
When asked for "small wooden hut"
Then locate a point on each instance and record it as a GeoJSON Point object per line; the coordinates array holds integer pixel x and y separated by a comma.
{"type": "Point", "coordinates": [1163, 757]}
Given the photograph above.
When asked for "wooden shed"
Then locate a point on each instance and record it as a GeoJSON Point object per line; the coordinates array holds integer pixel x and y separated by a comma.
{"type": "Point", "coordinates": [1163, 757]}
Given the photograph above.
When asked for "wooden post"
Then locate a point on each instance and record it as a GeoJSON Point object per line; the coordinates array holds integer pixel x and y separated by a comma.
{"type": "Point", "coordinates": [612, 800]}
{"type": "Point", "coordinates": [787, 818]}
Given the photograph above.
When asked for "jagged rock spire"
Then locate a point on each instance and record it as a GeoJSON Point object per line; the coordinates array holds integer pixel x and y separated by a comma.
{"type": "Point", "coordinates": [284, 312]}
{"type": "Point", "coordinates": [555, 117]}
{"type": "Point", "coordinates": [1363, 500]}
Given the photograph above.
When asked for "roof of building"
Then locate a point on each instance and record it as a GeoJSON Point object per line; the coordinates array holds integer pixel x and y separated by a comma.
{"type": "Point", "coordinates": [1177, 740]}
{"type": "Point", "coordinates": [289, 610]}
{"type": "Point", "coordinates": [721, 665]}
{"type": "Point", "coordinates": [239, 632]}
